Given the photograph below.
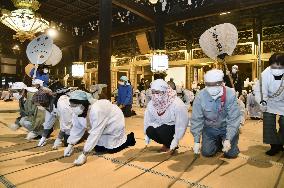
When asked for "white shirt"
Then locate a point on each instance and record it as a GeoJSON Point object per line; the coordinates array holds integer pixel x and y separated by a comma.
{"type": "Point", "coordinates": [176, 114]}
{"type": "Point", "coordinates": [269, 87]}
{"type": "Point", "coordinates": [107, 126]}
{"type": "Point", "coordinates": [65, 114]}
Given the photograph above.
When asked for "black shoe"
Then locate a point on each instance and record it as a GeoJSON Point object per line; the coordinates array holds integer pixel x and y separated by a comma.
{"type": "Point", "coordinates": [275, 148]}
{"type": "Point", "coordinates": [131, 139]}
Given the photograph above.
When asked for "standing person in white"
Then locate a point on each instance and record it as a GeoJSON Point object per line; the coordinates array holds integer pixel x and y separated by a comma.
{"type": "Point", "coordinates": [253, 106]}
{"type": "Point", "coordinates": [166, 117]}
{"type": "Point", "coordinates": [107, 126]}
{"type": "Point", "coordinates": [271, 98]}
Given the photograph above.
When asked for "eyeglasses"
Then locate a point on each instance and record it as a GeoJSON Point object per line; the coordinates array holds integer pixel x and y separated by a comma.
{"type": "Point", "coordinates": [212, 84]}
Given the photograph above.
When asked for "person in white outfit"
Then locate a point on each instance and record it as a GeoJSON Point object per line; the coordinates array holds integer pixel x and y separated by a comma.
{"type": "Point", "coordinates": [271, 98]}
{"type": "Point", "coordinates": [166, 117]}
{"type": "Point", "coordinates": [65, 114]}
{"type": "Point", "coordinates": [107, 126]}
{"type": "Point", "coordinates": [186, 96]}
{"type": "Point", "coordinates": [253, 106]}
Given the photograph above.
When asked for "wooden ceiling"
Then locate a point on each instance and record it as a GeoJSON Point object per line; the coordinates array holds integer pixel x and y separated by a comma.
{"type": "Point", "coordinates": [181, 17]}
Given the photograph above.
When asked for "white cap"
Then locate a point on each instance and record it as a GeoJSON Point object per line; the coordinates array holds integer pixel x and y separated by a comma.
{"type": "Point", "coordinates": [18, 85]}
{"type": "Point", "coordinates": [214, 75]}
{"type": "Point", "coordinates": [159, 85]}
{"type": "Point", "coordinates": [235, 67]}
{"type": "Point", "coordinates": [37, 81]}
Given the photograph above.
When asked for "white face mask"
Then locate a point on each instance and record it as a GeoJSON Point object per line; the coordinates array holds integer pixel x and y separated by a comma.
{"type": "Point", "coordinates": [40, 108]}
{"type": "Point", "coordinates": [17, 96]}
{"type": "Point", "coordinates": [234, 71]}
{"type": "Point", "coordinates": [214, 91]}
{"type": "Point", "coordinates": [78, 110]}
{"type": "Point", "coordinates": [277, 72]}
{"type": "Point", "coordinates": [45, 71]}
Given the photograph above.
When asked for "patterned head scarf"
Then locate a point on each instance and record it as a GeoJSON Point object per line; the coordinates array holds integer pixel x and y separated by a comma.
{"type": "Point", "coordinates": [164, 99]}
{"type": "Point", "coordinates": [42, 97]}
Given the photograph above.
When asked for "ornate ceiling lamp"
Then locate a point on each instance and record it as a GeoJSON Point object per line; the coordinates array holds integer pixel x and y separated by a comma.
{"type": "Point", "coordinates": [24, 20]}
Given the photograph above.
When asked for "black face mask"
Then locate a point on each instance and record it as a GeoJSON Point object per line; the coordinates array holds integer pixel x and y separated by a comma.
{"type": "Point", "coordinates": [278, 77]}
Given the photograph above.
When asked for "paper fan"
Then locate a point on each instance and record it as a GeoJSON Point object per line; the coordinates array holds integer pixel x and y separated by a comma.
{"type": "Point", "coordinates": [55, 57]}
{"type": "Point", "coordinates": [219, 41]}
{"type": "Point", "coordinates": [28, 69]}
{"type": "Point", "coordinates": [39, 49]}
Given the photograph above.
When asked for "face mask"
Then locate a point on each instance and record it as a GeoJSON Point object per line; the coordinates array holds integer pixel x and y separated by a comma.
{"type": "Point", "coordinates": [214, 91]}
{"type": "Point", "coordinates": [277, 72]}
{"type": "Point", "coordinates": [78, 110]}
{"type": "Point", "coordinates": [45, 71]}
{"type": "Point", "coordinates": [234, 71]}
{"type": "Point", "coordinates": [40, 108]}
{"type": "Point", "coordinates": [17, 96]}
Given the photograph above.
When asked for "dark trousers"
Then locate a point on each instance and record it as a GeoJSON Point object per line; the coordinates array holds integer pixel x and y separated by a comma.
{"type": "Point", "coordinates": [129, 142]}
{"type": "Point", "coordinates": [212, 139]}
{"type": "Point", "coordinates": [162, 135]}
{"type": "Point", "coordinates": [127, 110]}
{"type": "Point", "coordinates": [47, 132]}
{"type": "Point", "coordinates": [270, 133]}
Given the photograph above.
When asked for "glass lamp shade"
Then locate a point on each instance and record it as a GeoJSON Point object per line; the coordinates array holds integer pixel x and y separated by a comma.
{"type": "Point", "coordinates": [25, 22]}
{"type": "Point", "coordinates": [78, 70]}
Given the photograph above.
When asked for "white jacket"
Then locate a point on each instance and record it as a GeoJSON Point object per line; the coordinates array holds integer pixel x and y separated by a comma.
{"type": "Point", "coordinates": [269, 87]}
{"type": "Point", "coordinates": [107, 126]}
{"type": "Point", "coordinates": [50, 118]}
{"type": "Point", "coordinates": [176, 114]}
{"type": "Point", "coordinates": [65, 114]}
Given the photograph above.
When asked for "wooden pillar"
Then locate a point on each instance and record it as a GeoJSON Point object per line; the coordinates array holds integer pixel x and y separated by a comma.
{"type": "Point", "coordinates": [105, 27]}
{"type": "Point", "coordinates": [159, 37]}
{"type": "Point", "coordinates": [81, 52]}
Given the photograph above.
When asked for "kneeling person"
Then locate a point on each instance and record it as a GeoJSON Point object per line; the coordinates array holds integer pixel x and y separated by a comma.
{"type": "Point", "coordinates": [166, 116]}
{"type": "Point", "coordinates": [216, 115]}
{"type": "Point", "coordinates": [107, 126]}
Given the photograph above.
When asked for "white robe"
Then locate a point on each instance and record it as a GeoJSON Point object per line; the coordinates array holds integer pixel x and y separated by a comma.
{"type": "Point", "coordinates": [65, 114]}
{"type": "Point", "coordinates": [176, 114]}
{"type": "Point", "coordinates": [269, 87]}
{"type": "Point", "coordinates": [253, 107]}
{"type": "Point", "coordinates": [107, 126]}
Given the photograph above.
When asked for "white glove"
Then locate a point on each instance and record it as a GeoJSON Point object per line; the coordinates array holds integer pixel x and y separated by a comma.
{"type": "Point", "coordinates": [174, 144]}
{"type": "Point", "coordinates": [80, 160]}
{"type": "Point", "coordinates": [14, 127]}
{"type": "Point", "coordinates": [147, 140]}
{"type": "Point", "coordinates": [57, 143]}
{"type": "Point", "coordinates": [226, 146]}
{"type": "Point", "coordinates": [31, 135]}
{"type": "Point", "coordinates": [68, 151]}
{"type": "Point", "coordinates": [196, 148]}
{"type": "Point", "coordinates": [42, 142]}
{"type": "Point", "coordinates": [263, 108]}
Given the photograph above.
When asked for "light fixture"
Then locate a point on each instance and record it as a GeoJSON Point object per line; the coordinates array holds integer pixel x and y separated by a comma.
{"type": "Point", "coordinates": [16, 47]}
{"type": "Point", "coordinates": [78, 69]}
{"type": "Point", "coordinates": [52, 32]}
{"type": "Point", "coordinates": [224, 13]}
{"type": "Point", "coordinates": [24, 20]}
{"type": "Point", "coordinates": [153, 1]}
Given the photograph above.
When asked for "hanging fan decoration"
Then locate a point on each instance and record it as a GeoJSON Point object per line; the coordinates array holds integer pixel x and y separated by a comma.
{"type": "Point", "coordinates": [220, 41]}
{"type": "Point", "coordinates": [55, 56]}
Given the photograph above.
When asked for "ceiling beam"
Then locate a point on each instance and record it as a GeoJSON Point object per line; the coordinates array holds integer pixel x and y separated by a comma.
{"type": "Point", "coordinates": [218, 8]}
{"type": "Point", "coordinates": [137, 9]}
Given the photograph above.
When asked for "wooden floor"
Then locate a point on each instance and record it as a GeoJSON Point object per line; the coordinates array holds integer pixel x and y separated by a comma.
{"type": "Point", "coordinates": [24, 165]}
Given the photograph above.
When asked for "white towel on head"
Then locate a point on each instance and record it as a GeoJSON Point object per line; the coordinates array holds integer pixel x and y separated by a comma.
{"type": "Point", "coordinates": [214, 75]}
{"type": "Point", "coordinates": [159, 85]}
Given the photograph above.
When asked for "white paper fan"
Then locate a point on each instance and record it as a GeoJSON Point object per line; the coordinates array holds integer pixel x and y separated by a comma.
{"type": "Point", "coordinates": [219, 40]}
{"type": "Point", "coordinates": [39, 49]}
{"type": "Point", "coordinates": [55, 57]}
